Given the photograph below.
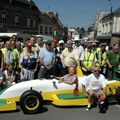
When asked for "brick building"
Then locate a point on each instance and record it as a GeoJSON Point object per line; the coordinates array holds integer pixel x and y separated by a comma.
{"type": "Point", "coordinates": [21, 16]}
{"type": "Point", "coordinates": [51, 25]}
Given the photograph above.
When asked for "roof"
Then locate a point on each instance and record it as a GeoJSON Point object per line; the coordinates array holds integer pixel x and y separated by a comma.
{"type": "Point", "coordinates": [110, 15]}
{"type": "Point", "coordinates": [117, 11]}
{"type": "Point", "coordinates": [28, 2]}
{"type": "Point", "coordinates": [45, 18]}
{"type": "Point", "coordinates": [107, 18]}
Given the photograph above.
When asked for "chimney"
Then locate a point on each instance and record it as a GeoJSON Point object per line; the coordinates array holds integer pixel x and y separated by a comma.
{"type": "Point", "coordinates": [51, 14]}
{"type": "Point", "coordinates": [56, 16]}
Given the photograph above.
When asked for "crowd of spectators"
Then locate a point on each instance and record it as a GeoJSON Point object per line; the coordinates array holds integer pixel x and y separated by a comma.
{"type": "Point", "coordinates": [38, 59]}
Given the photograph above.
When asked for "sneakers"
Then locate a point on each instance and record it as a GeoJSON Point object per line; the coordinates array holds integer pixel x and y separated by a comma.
{"type": "Point", "coordinates": [88, 108]}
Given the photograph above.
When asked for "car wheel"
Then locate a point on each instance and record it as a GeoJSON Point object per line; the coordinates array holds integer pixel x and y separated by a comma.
{"type": "Point", "coordinates": [118, 95]}
{"type": "Point", "coordinates": [31, 102]}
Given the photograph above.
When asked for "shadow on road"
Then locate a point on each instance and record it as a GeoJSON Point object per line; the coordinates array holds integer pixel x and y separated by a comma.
{"type": "Point", "coordinates": [13, 111]}
{"type": "Point", "coordinates": [44, 109]}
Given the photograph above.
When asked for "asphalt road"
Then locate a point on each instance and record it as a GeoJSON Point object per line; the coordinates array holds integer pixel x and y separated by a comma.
{"type": "Point", "coordinates": [51, 112]}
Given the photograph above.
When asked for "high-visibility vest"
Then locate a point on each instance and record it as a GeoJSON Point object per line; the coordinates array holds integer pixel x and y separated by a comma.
{"type": "Point", "coordinates": [89, 59]}
{"type": "Point", "coordinates": [18, 55]}
{"type": "Point", "coordinates": [102, 57]}
{"type": "Point", "coordinates": [4, 54]}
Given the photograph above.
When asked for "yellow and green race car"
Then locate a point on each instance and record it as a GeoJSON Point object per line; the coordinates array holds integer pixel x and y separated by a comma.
{"type": "Point", "coordinates": [31, 94]}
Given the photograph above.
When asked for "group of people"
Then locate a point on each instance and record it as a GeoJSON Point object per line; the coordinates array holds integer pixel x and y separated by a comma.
{"type": "Point", "coordinates": [38, 59]}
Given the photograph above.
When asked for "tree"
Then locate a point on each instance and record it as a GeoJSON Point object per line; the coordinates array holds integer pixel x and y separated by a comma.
{"type": "Point", "coordinates": [81, 31]}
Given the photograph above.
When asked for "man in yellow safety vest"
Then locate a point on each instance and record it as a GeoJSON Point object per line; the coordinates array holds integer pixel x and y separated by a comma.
{"type": "Point", "coordinates": [89, 60]}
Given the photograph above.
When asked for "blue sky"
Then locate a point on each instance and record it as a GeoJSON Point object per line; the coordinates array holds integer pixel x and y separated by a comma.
{"type": "Point", "coordinates": [76, 13]}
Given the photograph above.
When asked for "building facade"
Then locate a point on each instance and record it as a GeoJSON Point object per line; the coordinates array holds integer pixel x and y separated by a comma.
{"type": "Point", "coordinates": [50, 25]}
{"type": "Point", "coordinates": [19, 16]}
{"type": "Point", "coordinates": [73, 34]}
{"type": "Point", "coordinates": [108, 29]}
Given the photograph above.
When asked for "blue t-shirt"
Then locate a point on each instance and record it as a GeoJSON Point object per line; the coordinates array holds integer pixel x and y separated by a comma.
{"type": "Point", "coordinates": [47, 56]}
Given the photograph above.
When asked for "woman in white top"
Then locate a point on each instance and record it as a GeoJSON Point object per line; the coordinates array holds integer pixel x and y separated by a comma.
{"type": "Point", "coordinates": [9, 76]}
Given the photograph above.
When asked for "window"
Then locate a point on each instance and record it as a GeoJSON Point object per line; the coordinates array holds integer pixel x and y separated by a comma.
{"type": "Point", "coordinates": [34, 23]}
{"type": "Point", "coordinates": [46, 30]}
{"type": "Point", "coordinates": [106, 28]}
{"type": "Point", "coordinates": [16, 20]}
{"type": "Point", "coordinates": [50, 31]}
{"type": "Point", "coordinates": [103, 28]}
{"type": "Point", "coordinates": [41, 29]}
{"type": "Point", "coordinates": [110, 27]}
{"type": "Point", "coordinates": [55, 32]}
{"type": "Point", "coordinates": [3, 18]}
{"type": "Point", "coordinates": [28, 22]}
{"type": "Point", "coordinates": [0, 19]}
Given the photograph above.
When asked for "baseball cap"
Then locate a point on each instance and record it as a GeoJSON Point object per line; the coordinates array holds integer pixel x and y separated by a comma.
{"type": "Point", "coordinates": [76, 39]}
{"type": "Point", "coordinates": [103, 44]}
{"type": "Point", "coordinates": [94, 43]}
{"type": "Point", "coordinates": [28, 44]}
{"type": "Point", "coordinates": [61, 41]}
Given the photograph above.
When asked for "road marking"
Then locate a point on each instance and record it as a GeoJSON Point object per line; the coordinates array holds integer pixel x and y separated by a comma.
{"type": "Point", "coordinates": [117, 106]}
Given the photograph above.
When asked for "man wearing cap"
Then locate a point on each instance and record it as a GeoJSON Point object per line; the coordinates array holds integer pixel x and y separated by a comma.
{"type": "Point", "coordinates": [61, 46]}
{"type": "Point", "coordinates": [34, 46]}
{"type": "Point", "coordinates": [102, 58]}
{"type": "Point", "coordinates": [95, 48]}
{"type": "Point", "coordinates": [89, 59]}
{"type": "Point", "coordinates": [69, 57]}
{"type": "Point", "coordinates": [94, 85]}
{"type": "Point", "coordinates": [28, 62]}
{"type": "Point", "coordinates": [79, 49]}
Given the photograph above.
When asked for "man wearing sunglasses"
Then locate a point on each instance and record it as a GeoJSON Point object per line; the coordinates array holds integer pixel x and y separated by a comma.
{"type": "Point", "coordinates": [94, 85]}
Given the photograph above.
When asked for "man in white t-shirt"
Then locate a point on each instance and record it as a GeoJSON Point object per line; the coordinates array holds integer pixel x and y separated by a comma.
{"type": "Point", "coordinates": [79, 49]}
{"type": "Point", "coordinates": [94, 85]}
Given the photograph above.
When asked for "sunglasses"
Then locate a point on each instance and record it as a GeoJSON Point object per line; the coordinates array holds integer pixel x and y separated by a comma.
{"type": "Point", "coordinates": [96, 70]}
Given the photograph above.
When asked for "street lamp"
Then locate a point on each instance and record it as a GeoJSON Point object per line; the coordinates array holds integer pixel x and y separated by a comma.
{"type": "Point", "coordinates": [111, 17]}
{"type": "Point", "coordinates": [110, 6]}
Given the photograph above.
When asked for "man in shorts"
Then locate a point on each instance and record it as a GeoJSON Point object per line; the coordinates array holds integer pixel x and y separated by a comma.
{"type": "Point", "coordinates": [94, 85]}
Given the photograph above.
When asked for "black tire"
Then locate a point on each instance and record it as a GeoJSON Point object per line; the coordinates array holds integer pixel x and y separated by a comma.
{"type": "Point", "coordinates": [31, 102]}
{"type": "Point", "coordinates": [118, 95]}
